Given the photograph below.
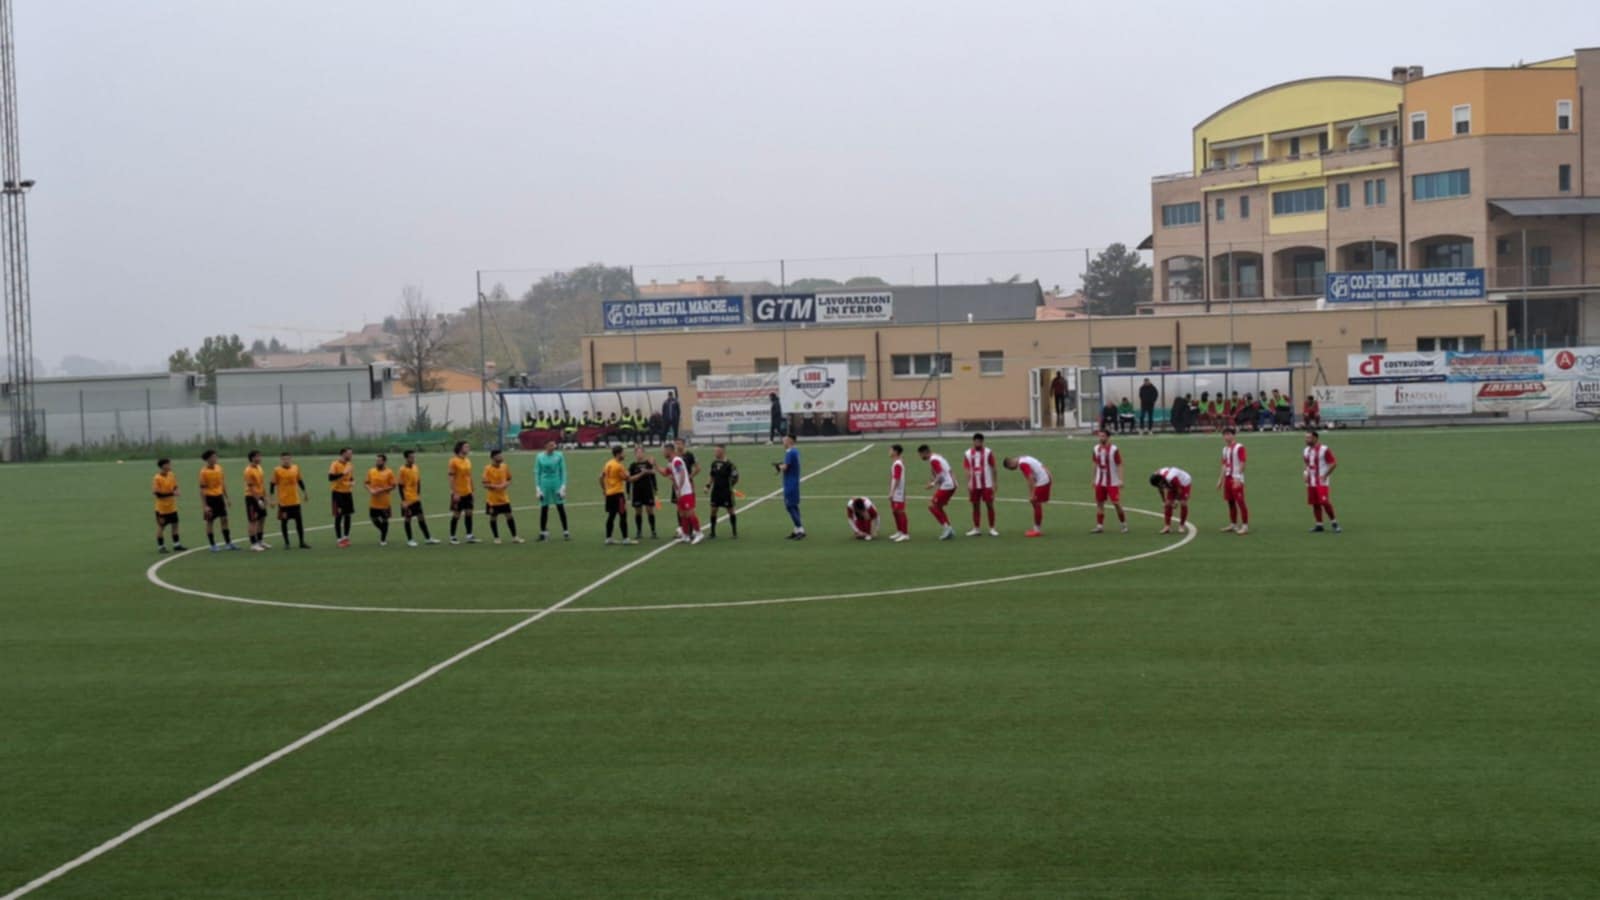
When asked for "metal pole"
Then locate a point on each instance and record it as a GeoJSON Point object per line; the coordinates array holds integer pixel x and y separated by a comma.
{"type": "Point", "coordinates": [1372, 252]}
{"type": "Point", "coordinates": [283, 431]}
{"type": "Point", "coordinates": [1232, 290]}
{"type": "Point", "coordinates": [350, 409]}
{"type": "Point", "coordinates": [483, 349]}
{"type": "Point", "coordinates": [633, 331]}
{"type": "Point", "coordinates": [149, 420]}
{"type": "Point", "coordinates": [83, 427]}
{"type": "Point", "coordinates": [14, 250]}
{"type": "Point", "coordinates": [937, 363]}
{"type": "Point", "coordinates": [783, 287]}
{"type": "Point", "coordinates": [1527, 333]}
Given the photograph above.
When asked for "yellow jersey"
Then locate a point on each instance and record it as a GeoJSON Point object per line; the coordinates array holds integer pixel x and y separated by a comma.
{"type": "Point", "coordinates": [286, 481]}
{"type": "Point", "coordinates": [614, 476]}
{"type": "Point", "coordinates": [346, 480]}
{"type": "Point", "coordinates": [255, 482]}
{"type": "Point", "coordinates": [380, 479]}
{"type": "Point", "coordinates": [500, 475]}
{"type": "Point", "coordinates": [165, 484]}
{"type": "Point", "coordinates": [212, 482]}
{"type": "Point", "coordinates": [410, 484]}
{"type": "Point", "coordinates": [460, 476]}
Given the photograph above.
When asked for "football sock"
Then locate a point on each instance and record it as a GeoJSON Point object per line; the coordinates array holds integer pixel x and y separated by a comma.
{"type": "Point", "coordinates": [227, 536]}
{"type": "Point", "coordinates": [299, 532]}
{"type": "Point", "coordinates": [977, 513]}
{"type": "Point", "coordinates": [991, 515]}
{"type": "Point", "coordinates": [511, 523]}
{"type": "Point", "coordinates": [1099, 517]}
{"type": "Point", "coordinates": [161, 541]}
{"type": "Point", "coordinates": [1244, 513]}
{"type": "Point", "coordinates": [1038, 515]}
{"type": "Point", "coordinates": [408, 529]}
{"type": "Point", "coordinates": [638, 523]}
{"type": "Point", "coordinates": [733, 523]}
{"type": "Point", "coordinates": [454, 521]}
{"type": "Point", "coordinates": [468, 518]}
{"type": "Point", "coordinates": [561, 510]}
{"type": "Point", "coordinates": [544, 518]}
{"type": "Point", "coordinates": [423, 524]}
{"type": "Point", "coordinates": [494, 527]}
{"type": "Point", "coordinates": [284, 526]}
{"type": "Point", "coordinates": [211, 539]}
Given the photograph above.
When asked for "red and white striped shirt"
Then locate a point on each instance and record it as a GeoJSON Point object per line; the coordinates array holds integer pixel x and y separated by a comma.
{"type": "Point", "coordinates": [863, 523]}
{"type": "Point", "coordinates": [1033, 470]}
{"type": "Point", "coordinates": [1233, 462]}
{"type": "Point", "coordinates": [1175, 476]}
{"type": "Point", "coordinates": [980, 468]}
{"type": "Point", "coordinates": [897, 481]}
{"type": "Point", "coordinates": [943, 478]}
{"type": "Point", "coordinates": [1319, 464]}
{"type": "Point", "coordinates": [1107, 466]}
{"type": "Point", "coordinates": [681, 479]}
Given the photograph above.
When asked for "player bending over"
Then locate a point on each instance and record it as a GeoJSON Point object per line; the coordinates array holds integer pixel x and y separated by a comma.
{"type": "Point", "coordinates": [1038, 478]}
{"type": "Point", "coordinates": [943, 485]}
{"type": "Point", "coordinates": [1175, 486]}
{"type": "Point", "coordinates": [863, 518]}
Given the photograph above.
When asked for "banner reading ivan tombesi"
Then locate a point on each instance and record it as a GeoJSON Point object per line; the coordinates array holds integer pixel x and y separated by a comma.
{"type": "Point", "coordinates": [911, 414]}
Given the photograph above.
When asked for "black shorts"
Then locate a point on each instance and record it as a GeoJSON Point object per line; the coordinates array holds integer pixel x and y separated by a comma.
{"type": "Point", "coordinates": [722, 499]}
{"type": "Point", "coordinates": [289, 512]}
{"type": "Point", "coordinates": [643, 500]}
{"type": "Point", "coordinates": [170, 518]}
{"type": "Point", "coordinates": [255, 509]}
{"type": "Point", "coordinates": [616, 504]}
{"type": "Point", "coordinates": [498, 509]}
{"type": "Point", "coordinates": [377, 514]}
{"type": "Point", "coordinates": [216, 507]}
{"type": "Point", "coordinates": [413, 509]}
{"type": "Point", "coordinates": [344, 504]}
{"type": "Point", "coordinates": [462, 503]}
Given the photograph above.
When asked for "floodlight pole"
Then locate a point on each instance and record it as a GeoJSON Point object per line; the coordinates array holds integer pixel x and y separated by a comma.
{"type": "Point", "coordinates": [483, 352]}
{"type": "Point", "coordinates": [14, 250]}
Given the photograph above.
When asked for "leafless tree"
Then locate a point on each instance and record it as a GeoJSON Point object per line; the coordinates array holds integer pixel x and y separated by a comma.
{"type": "Point", "coordinates": [420, 345]}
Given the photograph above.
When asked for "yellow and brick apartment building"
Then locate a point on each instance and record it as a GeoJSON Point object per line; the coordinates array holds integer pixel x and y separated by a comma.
{"type": "Point", "coordinates": [1486, 168]}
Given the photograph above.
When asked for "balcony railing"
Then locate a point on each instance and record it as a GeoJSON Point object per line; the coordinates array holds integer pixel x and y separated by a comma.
{"type": "Point", "coordinates": [1304, 286]}
{"type": "Point", "coordinates": [1331, 154]}
{"type": "Point", "coordinates": [1248, 290]}
{"type": "Point", "coordinates": [1555, 275]}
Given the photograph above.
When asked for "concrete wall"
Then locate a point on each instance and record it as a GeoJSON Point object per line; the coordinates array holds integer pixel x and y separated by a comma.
{"type": "Point", "coordinates": [105, 393]}
{"type": "Point", "coordinates": [243, 387]}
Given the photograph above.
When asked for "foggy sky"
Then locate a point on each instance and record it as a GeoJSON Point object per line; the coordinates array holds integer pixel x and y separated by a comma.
{"type": "Point", "coordinates": [207, 166]}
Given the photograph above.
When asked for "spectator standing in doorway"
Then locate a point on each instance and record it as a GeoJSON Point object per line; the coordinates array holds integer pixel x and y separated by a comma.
{"type": "Point", "coordinates": [777, 428]}
{"type": "Point", "coordinates": [1058, 391]}
{"type": "Point", "coordinates": [1148, 395]}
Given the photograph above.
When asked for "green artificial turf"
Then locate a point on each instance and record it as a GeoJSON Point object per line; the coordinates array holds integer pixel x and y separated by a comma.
{"type": "Point", "coordinates": [1405, 709]}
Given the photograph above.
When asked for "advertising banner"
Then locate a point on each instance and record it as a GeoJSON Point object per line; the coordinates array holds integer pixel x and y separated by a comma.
{"type": "Point", "coordinates": [1494, 365]}
{"type": "Point", "coordinates": [730, 405]}
{"type": "Point", "coordinates": [1375, 368]}
{"type": "Point", "coordinates": [1570, 364]}
{"type": "Point", "coordinates": [1520, 396]}
{"type": "Point", "coordinates": [1426, 399]}
{"type": "Point", "coordinates": [1339, 403]}
{"type": "Point", "coordinates": [852, 307]}
{"type": "Point", "coordinates": [775, 309]}
{"type": "Point", "coordinates": [814, 388]}
{"type": "Point", "coordinates": [1404, 285]}
{"type": "Point", "coordinates": [673, 312]}
{"type": "Point", "coordinates": [1586, 397]}
{"type": "Point", "coordinates": [894, 415]}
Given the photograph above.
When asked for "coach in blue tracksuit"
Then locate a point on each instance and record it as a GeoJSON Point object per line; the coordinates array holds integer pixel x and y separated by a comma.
{"type": "Point", "coordinates": [790, 469]}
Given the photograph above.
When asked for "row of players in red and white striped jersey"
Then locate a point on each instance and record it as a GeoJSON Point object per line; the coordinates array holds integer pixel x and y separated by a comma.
{"type": "Point", "coordinates": [1174, 484]}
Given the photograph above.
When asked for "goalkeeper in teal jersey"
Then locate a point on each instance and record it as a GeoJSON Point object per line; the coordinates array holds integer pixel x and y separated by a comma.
{"type": "Point", "coordinates": [550, 474]}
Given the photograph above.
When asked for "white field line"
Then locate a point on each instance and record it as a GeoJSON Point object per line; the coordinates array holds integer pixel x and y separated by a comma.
{"type": "Point", "coordinates": [383, 698]}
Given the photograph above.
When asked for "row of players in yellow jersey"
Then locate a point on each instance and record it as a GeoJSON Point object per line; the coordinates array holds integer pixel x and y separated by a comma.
{"type": "Point", "coordinates": [285, 489]}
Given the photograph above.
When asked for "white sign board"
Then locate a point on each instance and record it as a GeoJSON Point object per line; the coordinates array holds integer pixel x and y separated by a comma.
{"type": "Point", "coordinates": [1434, 398]}
{"type": "Point", "coordinates": [850, 307]}
{"type": "Point", "coordinates": [742, 404]}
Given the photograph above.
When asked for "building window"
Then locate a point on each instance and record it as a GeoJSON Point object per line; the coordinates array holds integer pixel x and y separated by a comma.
{"type": "Point", "coordinates": [1341, 195]}
{"type": "Point", "coordinates": [1306, 200]}
{"type": "Point", "coordinates": [1161, 357]}
{"type": "Point", "coordinates": [1447, 255]}
{"type": "Point", "coordinates": [1419, 126]}
{"type": "Point", "coordinates": [1539, 266]}
{"type": "Point", "coordinates": [1454, 344]}
{"type": "Point", "coordinates": [698, 367]}
{"type": "Point", "coordinates": [1375, 191]}
{"type": "Point", "coordinates": [1176, 214]}
{"type": "Point", "coordinates": [856, 364]}
{"type": "Point", "coordinates": [1385, 136]}
{"type": "Point", "coordinates": [1374, 345]}
{"type": "Point", "coordinates": [1244, 207]}
{"type": "Point", "coordinates": [630, 374]}
{"type": "Point", "coordinates": [1563, 115]}
{"type": "Point", "coordinates": [1294, 148]}
{"type": "Point", "coordinates": [920, 365]}
{"type": "Point", "coordinates": [1297, 353]}
{"type": "Point", "coordinates": [766, 364]}
{"type": "Point", "coordinates": [1114, 357]}
{"type": "Point", "coordinates": [1233, 157]}
{"type": "Point", "coordinates": [991, 362]}
{"type": "Point", "coordinates": [1222, 209]}
{"type": "Point", "coordinates": [1322, 142]}
{"type": "Point", "coordinates": [1216, 356]}
{"type": "Point", "coordinates": [1461, 118]}
{"type": "Point", "coordinates": [1472, 344]}
{"type": "Point", "coordinates": [1440, 185]}
{"type": "Point", "coordinates": [1564, 178]}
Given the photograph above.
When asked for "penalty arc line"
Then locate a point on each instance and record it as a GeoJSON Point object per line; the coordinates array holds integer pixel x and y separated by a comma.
{"type": "Point", "coordinates": [383, 698]}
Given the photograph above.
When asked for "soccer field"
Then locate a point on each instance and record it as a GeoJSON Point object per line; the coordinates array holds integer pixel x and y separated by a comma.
{"type": "Point", "coordinates": [1409, 708]}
